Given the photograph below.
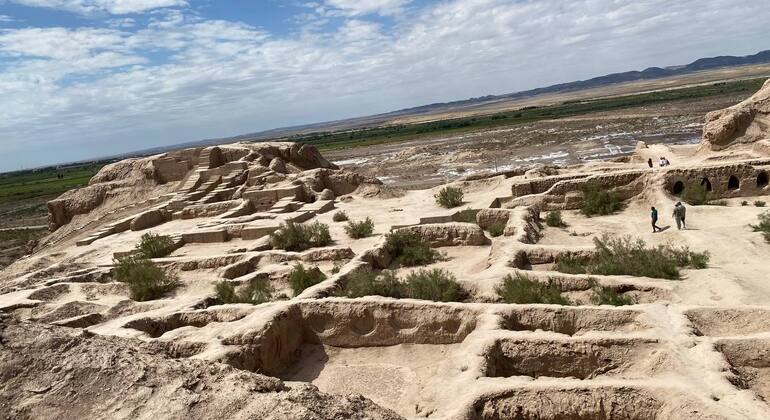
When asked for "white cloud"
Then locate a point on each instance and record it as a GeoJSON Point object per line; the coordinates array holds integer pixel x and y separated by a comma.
{"type": "Point", "coordinates": [115, 7]}
{"type": "Point", "coordinates": [85, 91]}
{"type": "Point", "coordinates": [365, 7]}
{"type": "Point", "coordinates": [6, 18]}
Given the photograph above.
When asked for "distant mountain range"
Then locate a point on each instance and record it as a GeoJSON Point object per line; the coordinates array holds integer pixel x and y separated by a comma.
{"type": "Point", "coordinates": [601, 81]}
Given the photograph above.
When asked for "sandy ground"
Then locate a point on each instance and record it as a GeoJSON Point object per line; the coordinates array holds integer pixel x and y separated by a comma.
{"type": "Point", "coordinates": [695, 347]}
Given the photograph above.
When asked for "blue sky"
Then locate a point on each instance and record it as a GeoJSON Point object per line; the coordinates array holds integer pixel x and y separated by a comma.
{"type": "Point", "coordinates": [87, 78]}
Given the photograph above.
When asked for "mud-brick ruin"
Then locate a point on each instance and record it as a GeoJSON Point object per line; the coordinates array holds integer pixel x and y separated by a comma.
{"type": "Point", "coordinates": [73, 344]}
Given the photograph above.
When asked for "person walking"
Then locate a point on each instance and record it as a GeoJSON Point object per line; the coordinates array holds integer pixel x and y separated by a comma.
{"type": "Point", "coordinates": [649, 162]}
{"type": "Point", "coordinates": [680, 213]}
{"type": "Point", "coordinates": [654, 217]}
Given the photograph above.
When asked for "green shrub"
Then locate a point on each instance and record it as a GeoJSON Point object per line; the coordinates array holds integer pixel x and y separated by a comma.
{"type": "Point", "coordinates": [554, 219]}
{"type": "Point", "coordinates": [603, 295]}
{"type": "Point", "coordinates": [361, 229]}
{"type": "Point", "coordinates": [337, 267]}
{"type": "Point", "coordinates": [340, 216]}
{"type": "Point", "coordinates": [763, 225]}
{"type": "Point", "coordinates": [696, 195]}
{"type": "Point", "coordinates": [625, 256]}
{"type": "Point", "coordinates": [155, 246]}
{"type": "Point", "coordinates": [409, 249]}
{"type": "Point", "coordinates": [570, 264]}
{"type": "Point", "coordinates": [300, 278]}
{"type": "Point", "coordinates": [519, 288]}
{"type": "Point", "coordinates": [722, 203]}
{"type": "Point", "coordinates": [146, 281]}
{"type": "Point", "coordinates": [257, 291]}
{"type": "Point", "coordinates": [296, 237]}
{"type": "Point", "coordinates": [744, 203]}
{"type": "Point", "coordinates": [465, 216]}
{"type": "Point", "coordinates": [449, 197]}
{"type": "Point", "coordinates": [599, 201]}
{"type": "Point", "coordinates": [436, 284]}
{"type": "Point", "coordinates": [366, 283]}
{"type": "Point", "coordinates": [496, 229]}
{"type": "Point", "coordinates": [759, 203]}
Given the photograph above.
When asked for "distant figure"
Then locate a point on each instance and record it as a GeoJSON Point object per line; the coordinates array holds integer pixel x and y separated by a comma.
{"type": "Point", "coordinates": [665, 160]}
{"type": "Point", "coordinates": [680, 213]}
{"type": "Point", "coordinates": [654, 216]}
{"type": "Point", "coordinates": [649, 162]}
{"type": "Point", "coordinates": [662, 162]}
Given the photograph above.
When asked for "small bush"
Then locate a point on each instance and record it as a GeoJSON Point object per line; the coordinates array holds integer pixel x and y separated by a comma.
{"type": "Point", "coordinates": [722, 203]}
{"type": "Point", "coordinates": [449, 197]}
{"type": "Point", "coordinates": [367, 283]}
{"type": "Point", "coordinates": [603, 295]}
{"type": "Point", "coordinates": [571, 264]}
{"type": "Point", "coordinates": [465, 216]}
{"type": "Point", "coordinates": [300, 278]}
{"type": "Point", "coordinates": [437, 285]}
{"type": "Point", "coordinates": [155, 246]}
{"type": "Point", "coordinates": [340, 216]}
{"type": "Point", "coordinates": [296, 237]}
{"type": "Point", "coordinates": [763, 225]}
{"type": "Point", "coordinates": [361, 229]}
{"type": "Point", "coordinates": [599, 201]}
{"type": "Point", "coordinates": [519, 288]}
{"type": "Point", "coordinates": [554, 219]}
{"type": "Point", "coordinates": [696, 195]}
{"type": "Point", "coordinates": [146, 281]}
{"type": "Point", "coordinates": [744, 203]}
{"type": "Point", "coordinates": [409, 249]}
{"type": "Point", "coordinates": [625, 256]}
{"type": "Point", "coordinates": [496, 229]}
{"type": "Point", "coordinates": [337, 267]}
{"type": "Point", "coordinates": [257, 291]}
{"type": "Point", "coordinates": [759, 204]}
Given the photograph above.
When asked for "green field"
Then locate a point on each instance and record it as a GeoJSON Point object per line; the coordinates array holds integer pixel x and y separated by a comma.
{"type": "Point", "coordinates": [377, 135]}
{"type": "Point", "coordinates": [22, 185]}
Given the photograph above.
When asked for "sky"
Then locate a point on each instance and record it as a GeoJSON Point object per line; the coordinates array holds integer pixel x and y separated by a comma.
{"type": "Point", "coordinates": [87, 78]}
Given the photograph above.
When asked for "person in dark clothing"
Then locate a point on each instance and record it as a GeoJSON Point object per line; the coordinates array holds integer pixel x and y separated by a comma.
{"type": "Point", "coordinates": [649, 162]}
{"type": "Point", "coordinates": [654, 216]}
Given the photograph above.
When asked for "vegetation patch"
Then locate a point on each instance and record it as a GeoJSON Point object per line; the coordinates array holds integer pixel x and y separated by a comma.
{"type": "Point", "coordinates": [599, 201]}
{"type": "Point", "coordinates": [763, 225]}
{"type": "Point", "coordinates": [410, 249]}
{"type": "Point", "coordinates": [626, 256]}
{"type": "Point", "coordinates": [435, 284]}
{"type": "Point", "coordinates": [297, 237]}
{"type": "Point", "coordinates": [759, 203]}
{"type": "Point", "coordinates": [496, 229]}
{"type": "Point", "coordinates": [376, 135]}
{"type": "Point", "coordinates": [257, 291]}
{"type": "Point", "coordinates": [146, 281]}
{"type": "Point", "coordinates": [721, 203]}
{"type": "Point", "coordinates": [360, 229]}
{"type": "Point", "coordinates": [603, 295]}
{"type": "Point", "coordinates": [553, 219]}
{"type": "Point", "coordinates": [155, 246]}
{"type": "Point", "coordinates": [449, 197]}
{"type": "Point", "coordinates": [520, 288]}
{"type": "Point", "coordinates": [300, 278]}
{"type": "Point", "coordinates": [367, 283]}
{"type": "Point", "coordinates": [340, 216]}
{"type": "Point", "coordinates": [22, 185]}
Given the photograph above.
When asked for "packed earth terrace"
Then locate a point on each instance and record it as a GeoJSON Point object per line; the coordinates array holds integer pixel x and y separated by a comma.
{"type": "Point", "coordinates": [261, 280]}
